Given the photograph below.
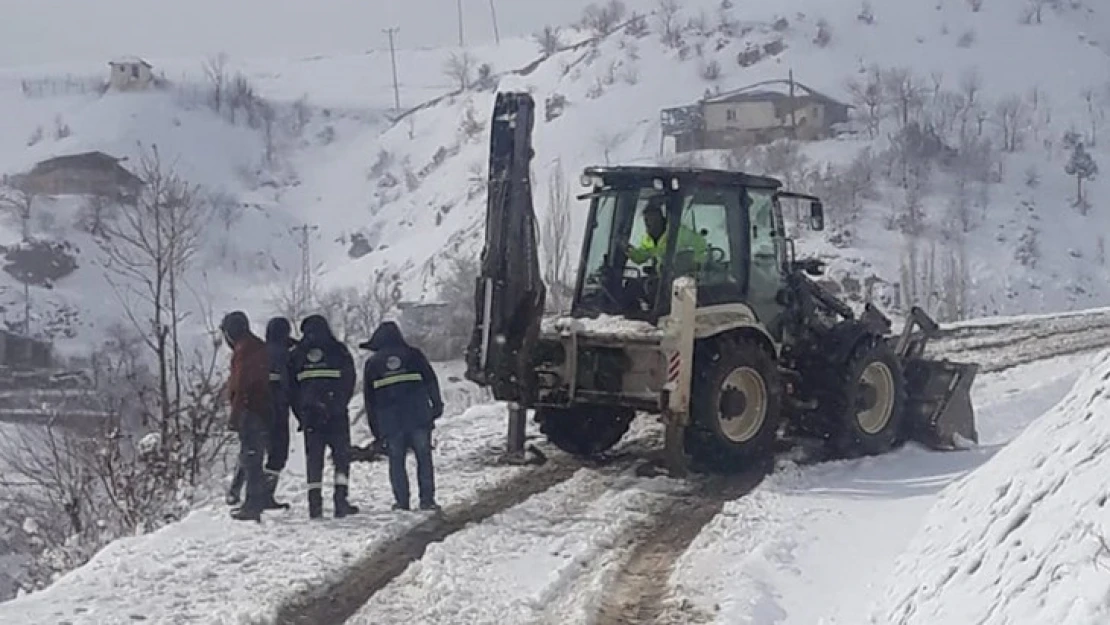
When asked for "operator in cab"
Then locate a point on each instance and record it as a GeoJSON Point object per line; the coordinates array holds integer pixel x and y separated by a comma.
{"type": "Point", "coordinates": [653, 246]}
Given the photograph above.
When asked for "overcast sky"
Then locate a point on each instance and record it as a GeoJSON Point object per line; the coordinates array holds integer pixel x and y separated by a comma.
{"type": "Point", "coordinates": [48, 31]}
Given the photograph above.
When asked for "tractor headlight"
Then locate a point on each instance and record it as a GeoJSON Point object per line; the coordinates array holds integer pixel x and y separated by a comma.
{"type": "Point", "coordinates": [657, 184]}
{"type": "Point", "coordinates": [586, 180]}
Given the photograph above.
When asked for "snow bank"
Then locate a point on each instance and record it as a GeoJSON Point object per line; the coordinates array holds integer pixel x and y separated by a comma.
{"type": "Point", "coordinates": [1024, 537]}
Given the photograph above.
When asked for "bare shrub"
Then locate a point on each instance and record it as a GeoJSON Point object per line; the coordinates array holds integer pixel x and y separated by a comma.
{"type": "Point", "coordinates": [966, 39]}
{"type": "Point", "coordinates": [976, 5]}
{"type": "Point", "coordinates": [549, 40]}
{"type": "Point", "coordinates": [866, 13]}
{"type": "Point", "coordinates": [460, 68]}
{"type": "Point", "coordinates": [603, 19]}
{"type": "Point", "coordinates": [824, 33]}
{"type": "Point", "coordinates": [355, 312]}
{"type": "Point", "coordinates": [710, 71]}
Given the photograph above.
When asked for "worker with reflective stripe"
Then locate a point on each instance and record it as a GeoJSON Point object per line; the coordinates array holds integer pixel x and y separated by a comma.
{"type": "Point", "coordinates": [653, 245]}
{"type": "Point", "coordinates": [402, 395]}
{"type": "Point", "coordinates": [323, 381]}
{"type": "Point", "coordinates": [279, 344]}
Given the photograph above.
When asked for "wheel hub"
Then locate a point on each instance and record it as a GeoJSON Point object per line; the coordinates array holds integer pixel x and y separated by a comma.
{"type": "Point", "coordinates": [875, 398]}
{"type": "Point", "coordinates": [742, 408]}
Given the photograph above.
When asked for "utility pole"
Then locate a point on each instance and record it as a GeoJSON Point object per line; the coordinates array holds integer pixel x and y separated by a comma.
{"type": "Point", "coordinates": [305, 243]}
{"type": "Point", "coordinates": [393, 61]}
{"type": "Point", "coordinates": [462, 43]}
{"type": "Point", "coordinates": [493, 14]}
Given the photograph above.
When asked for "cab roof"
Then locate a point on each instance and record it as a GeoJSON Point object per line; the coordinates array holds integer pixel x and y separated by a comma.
{"type": "Point", "coordinates": [685, 175]}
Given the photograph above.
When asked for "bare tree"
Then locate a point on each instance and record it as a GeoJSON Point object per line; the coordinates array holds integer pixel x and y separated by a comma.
{"type": "Point", "coordinates": [1095, 114]}
{"type": "Point", "coordinates": [460, 68]}
{"type": "Point", "coordinates": [555, 239]}
{"type": "Point", "coordinates": [1083, 166]}
{"type": "Point", "coordinates": [868, 96]}
{"type": "Point", "coordinates": [669, 28]}
{"type": "Point", "coordinates": [215, 69]}
{"type": "Point", "coordinates": [549, 40]}
{"type": "Point", "coordinates": [976, 5]}
{"type": "Point", "coordinates": [904, 92]}
{"type": "Point", "coordinates": [148, 251]}
{"type": "Point", "coordinates": [17, 203]}
{"type": "Point", "coordinates": [1012, 116]}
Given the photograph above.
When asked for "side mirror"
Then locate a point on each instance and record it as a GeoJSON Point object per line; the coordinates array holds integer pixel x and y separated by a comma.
{"type": "Point", "coordinates": [817, 216]}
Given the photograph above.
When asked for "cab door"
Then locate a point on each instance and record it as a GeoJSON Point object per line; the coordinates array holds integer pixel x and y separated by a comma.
{"type": "Point", "coordinates": [766, 258]}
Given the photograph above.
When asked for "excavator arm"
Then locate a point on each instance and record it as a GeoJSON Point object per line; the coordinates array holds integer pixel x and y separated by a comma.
{"type": "Point", "coordinates": [509, 291]}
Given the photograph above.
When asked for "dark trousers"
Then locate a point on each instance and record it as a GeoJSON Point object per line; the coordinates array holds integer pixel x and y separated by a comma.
{"type": "Point", "coordinates": [253, 439]}
{"type": "Point", "coordinates": [420, 441]}
{"type": "Point", "coordinates": [334, 433]}
{"type": "Point", "coordinates": [279, 440]}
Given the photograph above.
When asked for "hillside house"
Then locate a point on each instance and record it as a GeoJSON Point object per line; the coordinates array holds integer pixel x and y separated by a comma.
{"type": "Point", "coordinates": [22, 352]}
{"type": "Point", "coordinates": [88, 173]}
{"type": "Point", "coordinates": [758, 113]}
{"type": "Point", "coordinates": [130, 74]}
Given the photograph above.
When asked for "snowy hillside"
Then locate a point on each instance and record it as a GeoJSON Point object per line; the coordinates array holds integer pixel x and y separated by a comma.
{"type": "Point", "coordinates": [1024, 537]}
{"type": "Point", "coordinates": [1006, 238]}
{"type": "Point", "coordinates": [996, 232]}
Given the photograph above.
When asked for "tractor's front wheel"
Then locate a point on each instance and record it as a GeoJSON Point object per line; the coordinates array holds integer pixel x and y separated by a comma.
{"type": "Point", "coordinates": [735, 406]}
{"type": "Point", "coordinates": [865, 406]}
{"type": "Point", "coordinates": [584, 430]}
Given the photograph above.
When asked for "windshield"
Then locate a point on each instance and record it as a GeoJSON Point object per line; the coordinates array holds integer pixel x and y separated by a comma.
{"type": "Point", "coordinates": [627, 262]}
{"type": "Point", "coordinates": [615, 227]}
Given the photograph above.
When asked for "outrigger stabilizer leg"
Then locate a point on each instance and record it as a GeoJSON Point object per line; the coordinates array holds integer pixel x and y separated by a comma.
{"type": "Point", "coordinates": [515, 451]}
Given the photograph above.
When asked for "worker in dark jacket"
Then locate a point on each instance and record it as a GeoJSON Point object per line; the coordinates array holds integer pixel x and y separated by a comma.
{"type": "Point", "coordinates": [279, 344]}
{"type": "Point", "coordinates": [402, 393]}
{"type": "Point", "coordinates": [249, 395]}
{"type": "Point", "coordinates": [323, 382]}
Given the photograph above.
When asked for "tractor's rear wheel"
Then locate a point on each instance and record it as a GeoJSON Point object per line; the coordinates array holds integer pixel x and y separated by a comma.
{"type": "Point", "coordinates": [735, 406]}
{"type": "Point", "coordinates": [865, 407]}
{"type": "Point", "coordinates": [584, 430]}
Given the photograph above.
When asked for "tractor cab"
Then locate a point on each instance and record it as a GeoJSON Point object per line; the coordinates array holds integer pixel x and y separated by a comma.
{"type": "Point", "coordinates": [648, 226]}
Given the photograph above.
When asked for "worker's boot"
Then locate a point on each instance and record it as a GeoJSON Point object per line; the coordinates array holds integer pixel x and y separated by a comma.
{"type": "Point", "coordinates": [315, 504]}
{"type": "Point", "coordinates": [269, 503]}
{"type": "Point", "coordinates": [343, 507]}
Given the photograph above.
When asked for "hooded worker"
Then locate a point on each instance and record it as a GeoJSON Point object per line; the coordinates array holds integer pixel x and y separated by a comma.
{"type": "Point", "coordinates": [279, 345]}
{"type": "Point", "coordinates": [323, 381]}
{"type": "Point", "coordinates": [402, 393]}
{"type": "Point", "coordinates": [251, 416]}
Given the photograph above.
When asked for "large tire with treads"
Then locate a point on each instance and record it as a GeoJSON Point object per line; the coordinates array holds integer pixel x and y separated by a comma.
{"type": "Point", "coordinates": [584, 430]}
{"type": "Point", "coordinates": [735, 405]}
{"type": "Point", "coordinates": [864, 401]}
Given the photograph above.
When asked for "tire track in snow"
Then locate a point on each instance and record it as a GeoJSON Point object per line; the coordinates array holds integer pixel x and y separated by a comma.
{"type": "Point", "coordinates": [335, 602]}
{"type": "Point", "coordinates": [638, 589]}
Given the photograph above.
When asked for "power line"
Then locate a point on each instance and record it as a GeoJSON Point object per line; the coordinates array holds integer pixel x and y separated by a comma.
{"type": "Point", "coordinates": [393, 61]}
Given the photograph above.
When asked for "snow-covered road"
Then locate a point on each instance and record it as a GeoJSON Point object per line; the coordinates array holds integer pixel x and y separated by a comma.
{"type": "Point", "coordinates": [566, 543]}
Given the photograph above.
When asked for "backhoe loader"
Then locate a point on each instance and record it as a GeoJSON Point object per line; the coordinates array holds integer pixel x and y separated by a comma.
{"type": "Point", "coordinates": [721, 330]}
